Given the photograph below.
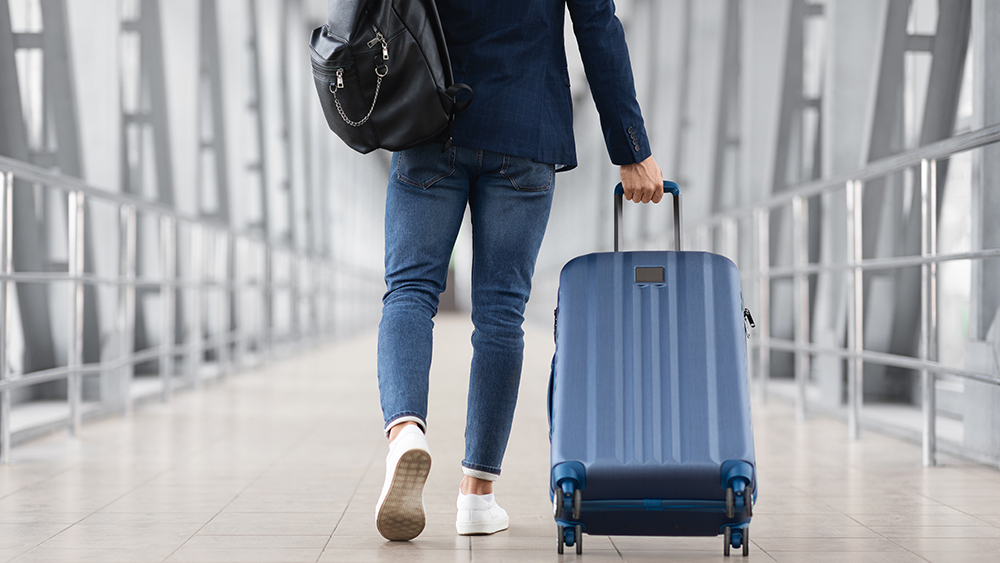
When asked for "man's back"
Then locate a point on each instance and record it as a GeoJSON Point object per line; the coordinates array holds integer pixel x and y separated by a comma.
{"type": "Point", "coordinates": [512, 53]}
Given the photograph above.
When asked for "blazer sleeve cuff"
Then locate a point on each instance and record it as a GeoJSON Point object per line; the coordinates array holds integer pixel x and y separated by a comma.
{"type": "Point", "coordinates": [628, 144]}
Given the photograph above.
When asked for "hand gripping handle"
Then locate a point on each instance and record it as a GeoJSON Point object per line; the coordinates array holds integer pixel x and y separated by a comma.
{"type": "Point", "coordinates": [668, 187]}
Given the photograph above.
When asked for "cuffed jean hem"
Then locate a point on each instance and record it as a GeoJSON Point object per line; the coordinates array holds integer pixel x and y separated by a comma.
{"type": "Point", "coordinates": [405, 417]}
{"type": "Point", "coordinates": [480, 472]}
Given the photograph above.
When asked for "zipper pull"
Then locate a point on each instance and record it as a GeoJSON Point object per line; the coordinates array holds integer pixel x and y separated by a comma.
{"type": "Point", "coordinates": [379, 38]}
{"type": "Point", "coordinates": [340, 78]}
{"type": "Point", "coordinates": [748, 321]}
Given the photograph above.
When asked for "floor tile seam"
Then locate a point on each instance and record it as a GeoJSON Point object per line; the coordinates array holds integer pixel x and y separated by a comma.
{"type": "Point", "coordinates": [898, 544]}
{"type": "Point", "coordinates": [986, 522]}
{"type": "Point", "coordinates": [277, 458]}
{"type": "Point", "coordinates": [71, 525]}
{"type": "Point", "coordinates": [754, 544]}
{"type": "Point", "coordinates": [40, 481]}
{"type": "Point", "coordinates": [357, 486]}
{"type": "Point", "coordinates": [614, 545]}
{"type": "Point", "coordinates": [39, 544]}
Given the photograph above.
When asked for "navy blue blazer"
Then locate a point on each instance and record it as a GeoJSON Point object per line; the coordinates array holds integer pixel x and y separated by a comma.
{"type": "Point", "coordinates": [512, 53]}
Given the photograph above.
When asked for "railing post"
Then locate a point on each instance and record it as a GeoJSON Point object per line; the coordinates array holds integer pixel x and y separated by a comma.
{"type": "Point", "coordinates": [268, 292]}
{"type": "Point", "coordinates": [855, 311]}
{"type": "Point", "coordinates": [315, 299]}
{"type": "Point", "coordinates": [168, 255]}
{"type": "Point", "coordinates": [703, 238]}
{"type": "Point", "coordinates": [222, 250]}
{"type": "Point", "coordinates": [75, 246]}
{"type": "Point", "coordinates": [730, 230]}
{"type": "Point", "coordinates": [255, 278]}
{"type": "Point", "coordinates": [295, 330]}
{"type": "Point", "coordinates": [6, 230]}
{"type": "Point", "coordinates": [928, 306]}
{"type": "Point", "coordinates": [763, 254]}
{"type": "Point", "coordinates": [195, 348]}
{"type": "Point", "coordinates": [241, 251]}
{"type": "Point", "coordinates": [126, 303]}
{"type": "Point", "coordinates": [800, 257]}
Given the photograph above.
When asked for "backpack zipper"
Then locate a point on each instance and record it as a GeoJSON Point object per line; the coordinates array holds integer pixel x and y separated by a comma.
{"type": "Point", "coordinates": [379, 38]}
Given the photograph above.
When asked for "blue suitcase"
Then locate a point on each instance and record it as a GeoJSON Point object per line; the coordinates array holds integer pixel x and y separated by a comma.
{"type": "Point", "coordinates": [649, 404]}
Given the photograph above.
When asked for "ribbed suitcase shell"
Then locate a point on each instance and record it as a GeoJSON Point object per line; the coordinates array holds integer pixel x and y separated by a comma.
{"type": "Point", "coordinates": [650, 389]}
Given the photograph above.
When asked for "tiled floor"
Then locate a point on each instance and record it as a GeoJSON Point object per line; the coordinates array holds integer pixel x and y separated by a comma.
{"type": "Point", "coordinates": [285, 465]}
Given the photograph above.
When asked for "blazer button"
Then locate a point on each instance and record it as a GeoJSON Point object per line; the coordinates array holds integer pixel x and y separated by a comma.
{"type": "Point", "coordinates": [633, 135]}
{"type": "Point", "coordinates": [631, 130]}
{"type": "Point", "coordinates": [637, 148]}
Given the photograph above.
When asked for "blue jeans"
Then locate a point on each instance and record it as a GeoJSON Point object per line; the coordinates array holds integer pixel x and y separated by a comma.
{"type": "Point", "coordinates": [509, 198]}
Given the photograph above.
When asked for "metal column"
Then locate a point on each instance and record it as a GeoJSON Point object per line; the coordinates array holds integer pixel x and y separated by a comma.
{"type": "Point", "coordinates": [901, 232]}
{"type": "Point", "coordinates": [144, 113]}
{"type": "Point", "coordinates": [982, 401]}
{"type": "Point", "coordinates": [145, 122]}
{"type": "Point", "coordinates": [797, 157]}
{"type": "Point", "coordinates": [725, 170]}
{"type": "Point", "coordinates": [291, 183]}
{"type": "Point", "coordinates": [684, 103]}
{"type": "Point", "coordinates": [789, 158]}
{"type": "Point", "coordinates": [6, 268]}
{"type": "Point", "coordinates": [213, 177]}
{"type": "Point", "coordinates": [259, 165]}
{"type": "Point", "coordinates": [27, 252]}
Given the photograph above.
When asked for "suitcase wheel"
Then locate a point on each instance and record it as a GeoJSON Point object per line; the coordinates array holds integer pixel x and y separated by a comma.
{"type": "Point", "coordinates": [736, 537]}
{"type": "Point", "coordinates": [570, 535]}
{"type": "Point", "coordinates": [560, 497]}
{"type": "Point", "coordinates": [744, 492]}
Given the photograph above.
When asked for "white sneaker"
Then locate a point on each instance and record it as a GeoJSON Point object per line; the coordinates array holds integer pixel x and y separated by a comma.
{"type": "Point", "coordinates": [399, 514]}
{"type": "Point", "coordinates": [480, 514]}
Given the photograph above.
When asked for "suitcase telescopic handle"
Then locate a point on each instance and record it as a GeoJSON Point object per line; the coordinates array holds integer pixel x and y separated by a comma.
{"type": "Point", "coordinates": [668, 187]}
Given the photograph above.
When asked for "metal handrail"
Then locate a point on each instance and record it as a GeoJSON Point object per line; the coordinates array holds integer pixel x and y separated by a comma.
{"type": "Point", "coordinates": [855, 265]}
{"type": "Point", "coordinates": [57, 181]}
{"type": "Point", "coordinates": [878, 169]}
{"type": "Point", "coordinates": [253, 259]}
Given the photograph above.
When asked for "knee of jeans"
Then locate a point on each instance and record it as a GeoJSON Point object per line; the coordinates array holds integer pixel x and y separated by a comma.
{"type": "Point", "coordinates": [499, 322]}
{"type": "Point", "coordinates": [421, 295]}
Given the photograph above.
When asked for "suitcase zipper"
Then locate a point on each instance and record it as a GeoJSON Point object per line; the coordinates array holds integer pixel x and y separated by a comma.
{"type": "Point", "coordinates": [748, 321]}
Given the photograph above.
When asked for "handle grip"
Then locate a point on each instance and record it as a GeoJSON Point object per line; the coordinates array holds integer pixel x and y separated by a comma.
{"type": "Point", "coordinates": [668, 187]}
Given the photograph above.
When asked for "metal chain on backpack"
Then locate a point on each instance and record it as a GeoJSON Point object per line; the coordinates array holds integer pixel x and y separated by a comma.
{"type": "Point", "coordinates": [378, 83]}
{"type": "Point", "coordinates": [378, 86]}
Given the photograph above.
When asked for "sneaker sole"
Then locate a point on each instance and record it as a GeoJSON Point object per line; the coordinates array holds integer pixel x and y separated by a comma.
{"type": "Point", "coordinates": [481, 528]}
{"type": "Point", "coordinates": [401, 516]}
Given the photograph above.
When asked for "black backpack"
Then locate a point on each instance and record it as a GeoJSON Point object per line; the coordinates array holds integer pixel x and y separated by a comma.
{"type": "Point", "coordinates": [383, 74]}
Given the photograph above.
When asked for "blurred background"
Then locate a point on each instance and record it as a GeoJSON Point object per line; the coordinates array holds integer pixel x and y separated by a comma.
{"type": "Point", "coordinates": [175, 209]}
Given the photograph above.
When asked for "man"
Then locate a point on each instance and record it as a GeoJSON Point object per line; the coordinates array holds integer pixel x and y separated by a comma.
{"type": "Point", "coordinates": [507, 148]}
